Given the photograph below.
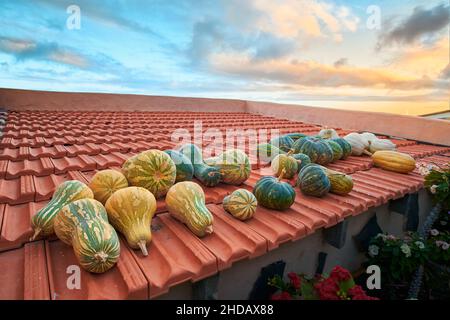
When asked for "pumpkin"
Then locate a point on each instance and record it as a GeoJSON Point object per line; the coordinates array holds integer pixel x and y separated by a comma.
{"type": "Point", "coordinates": [267, 152]}
{"type": "Point", "coordinates": [106, 182]}
{"type": "Point", "coordinates": [83, 224]}
{"type": "Point", "coordinates": [302, 160]}
{"type": "Point", "coordinates": [273, 193]}
{"type": "Point", "coordinates": [186, 203]}
{"type": "Point", "coordinates": [382, 144]}
{"type": "Point", "coordinates": [284, 143]}
{"type": "Point", "coordinates": [66, 192]}
{"type": "Point", "coordinates": [337, 150]}
{"type": "Point", "coordinates": [130, 211]}
{"type": "Point", "coordinates": [328, 134]}
{"type": "Point", "coordinates": [241, 204]}
{"type": "Point", "coordinates": [394, 161]}
{"type": "Point", "coordinates": [341, 183]}
{"type": "Point", "coordinates": [153, 170]}
{"type": "Point", "coordinates": [368, 136]}
{"type": "Point", "coordinates": [316, 149]}
{"type": "Point", "coordinates": [313, 181]}
{"type": "Point", "coordinates": [284, 163]}
{"type": "Point", "coordinates": [345, 146]}
{"type": "Point", "coordinates": [296, 135]}
{"type": "Point", "coordinates": [185, 169]}
{"type": "Point", "coordinates": [207, 175]}
{"type": "Point", "coordinates": [192, 152]}
{"type": "Point", "coordinates": [234, 166]}
{"type": "Point", "coordinates": [358, 143]}
{"type": "Point", "coordinates": [297, 145]}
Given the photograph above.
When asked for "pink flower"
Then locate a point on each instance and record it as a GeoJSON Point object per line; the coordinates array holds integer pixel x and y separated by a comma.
{"type": "Point", "coordinates": [295, 280]}
{"type": "Point", "coordinates": [340, 274]}
{"type": "Point", "coordinates": [327, 289]}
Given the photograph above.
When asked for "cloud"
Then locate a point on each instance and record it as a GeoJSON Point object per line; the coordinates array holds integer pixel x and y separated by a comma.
{"type": "Point", "coordinates": [422, 22]}
{"type": "Point", "coordinates": [340, 62]}
{"type": "Point", "coordinates": [50, 51]}
{"type": "Point", "coordinates": [445, 73]}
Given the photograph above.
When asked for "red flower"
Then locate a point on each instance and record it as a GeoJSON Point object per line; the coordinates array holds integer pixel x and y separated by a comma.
{"type": "Point", "coordinates": [281, 296]}
{"type": "Point", "coordinates": [327, 289]}
{"type": "Point", "coordinates": [340, 274]}
{"type": "Point", "coordinates": [363, 297]}
{"type": "Point", "coordinates": [295, 280]}
{"type": "Point", "coordinates": [356, 291]}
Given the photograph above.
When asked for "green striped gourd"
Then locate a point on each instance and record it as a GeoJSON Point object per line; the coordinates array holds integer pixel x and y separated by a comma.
{"type": "Point", "coordinates": [83, 224]}
{"type": "Point", "coordinates": [66, 192]}
{"type": "Point", "coordinates": [185, 169]}
{"type": "Point", "coordinates": [153, 170]}
{"type": "Point", "coordinates": [313, 181]}
{"type": "Point", "coordinates": [337, 150]}
{"type": "Point", "coordinates": [284, 143]}
{"type": "Point", "coordinates": [273, 193]}
{"type": "Point", "coordinates": [302, 160]}
{"type": "Point", "coordinates": [345, 146]}
{"type": "Point", "coordinates": [341, 183]}
{"type": "Point", "coordinates": [130, 211]}
{"type": "Point", "coordinates": [284, 163]}
{"type": "Point", "coordinates": [234, 166]}
{"type": "Point", "coordinates": [315, 148]}
{"type": "Point", "coordinates": [241, 204]}
{"type": "Point", "coordinates": [186, 203]}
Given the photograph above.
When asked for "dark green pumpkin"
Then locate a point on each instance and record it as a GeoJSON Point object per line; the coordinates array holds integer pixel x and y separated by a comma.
{"type": "Point", "coordinates": [296, 135]}
{"type": "Point", "coordinates": [185, 169]}
{"type": "Point", "coordinates": [284, 143]}
{"type": "Point", "coordinates": [313, 181]}
{"type": "Point", "coordinates": [336, 148]}
{"type": "Point", "coordinates": [208, 175]}
{"type": "Point", "coordinates": [273, 193]}
{"type": "Point", "coordinates": [302, 160]}
{"type": "Point", "coordinates": [316, 149]}
{"type": "Point", "coordinates": [267, 152]}
{"type": "Point", "coordinates": [297, 145]}
{"type": "Point", "coordinates": [192, 152]}
{"type": "Point", "coordinates": [345, 146]}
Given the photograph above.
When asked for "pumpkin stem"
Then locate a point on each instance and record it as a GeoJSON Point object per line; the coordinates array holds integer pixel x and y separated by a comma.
{"type": "Point", "coordinates": [367, 153]}
{"type": "Point", "coordinates": [291, 151]}
{"type": "Point", "coordinates": [142, 245]}
{"type": "Point", "coordinates": [281, 174]}
{"type": "Point", "coordinates": [37, 231]}
{"type": "Point", "coordinates": [101, 256]}
{"type": "Point", "coordinates": [209, 229]}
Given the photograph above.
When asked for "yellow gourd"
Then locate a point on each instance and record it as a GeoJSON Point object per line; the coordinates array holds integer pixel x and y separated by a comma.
{"type": "Point", "coordinates": [106, 182]}
{"type": "Point", "coordinates": [394, 161]}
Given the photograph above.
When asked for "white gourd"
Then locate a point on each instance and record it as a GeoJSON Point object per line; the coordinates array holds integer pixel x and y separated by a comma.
{"type": "Point", "coordinates": [359, 144]}
{"type": "Point", "coordinates": [382, 144]}
{"type": "Point", "coordinates": [369, 136]}
{"type": "Point", "coordinates": [328, 134]}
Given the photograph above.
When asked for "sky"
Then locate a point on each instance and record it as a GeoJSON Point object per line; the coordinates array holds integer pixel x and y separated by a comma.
{"type": "Point", "coordinates": [375, 55]}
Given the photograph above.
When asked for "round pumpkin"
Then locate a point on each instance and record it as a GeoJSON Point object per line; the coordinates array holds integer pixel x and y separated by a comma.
{"type": "Point", "coordinates": [345, 146]}
{"type": "Point", "coordinates": [185, 169]}
{"type": "Point", "coordinates": [241, 204]}
{"type": "Point", "coordinates": [286, 164]}
{"type": "Point", "coordinates": [273, 193]}
{"type": "Point", "coordinates": [153, 170]}
{"type": "Point", "coordinates": [316, 149]}
{"type": "Point", "coordinates": [234, 166]}
{"type": "Point", "coordinates": [284, 143]}
{"type": "Point", "coordinates": [313, 181]}
{"type": "Point", "coordinates": [104, 183]}
{"type": "Point", "coordinates": [130, 211]}
{"type": "Point", "coordinates": [302, 160]}
{"type": "Point", "coordinates": [336, 148]}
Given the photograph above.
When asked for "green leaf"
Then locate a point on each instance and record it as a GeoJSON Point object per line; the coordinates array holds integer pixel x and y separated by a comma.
{"type": "Point", "coordinates": [308, 291]}
{"type": "Point", "coordinates": [346, 285]}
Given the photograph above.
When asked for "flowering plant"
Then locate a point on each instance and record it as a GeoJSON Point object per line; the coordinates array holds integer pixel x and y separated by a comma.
{"type": "Point", "coordinates": [339, 285]}
{"type": "Point", "coordinates": [398, 258]}
{"type": "Point", "coordinates": [439, 244]}
{"type": "Point", "coordinates": [437, 181]}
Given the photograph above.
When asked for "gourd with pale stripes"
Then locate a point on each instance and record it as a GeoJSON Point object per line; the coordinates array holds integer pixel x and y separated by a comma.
{"type": "Point", "coordinates": [341, 183]}
{"type": "Point", "coordinates": [186, 203]}
{"type": "Point", "coordinates": [337, 150]}
{"type": "Point", "coordinates": [284, 163]}
{"type": "Point", "coordinates": [130, 211]}
{"type": "Point", "coordinates": [317, 149]}
{"type": "Point", "coordinates": [233, 165]}
{"type": "Point", "coordinates": [66, 192]}
{"type": "Point", "coordinates": [153, 170]}
{"type": "Point", "coordinates": [185, 169]}
{"type": "Point", "coordinates": [83, 224]}
{"type": "Point", "coordinates": [267, 152]}
{"type": "Point", "coordinates": [241, 204]}
{"type": "Point", "coordinates": [302, 160]}
{"type": "Point", "coordinates": [345, 146]}
{"type": "Point", "coordinates": [106, 182]}
{"type": "Point", "coordinates": [272, 193]}
{"type": "Point", "coordinates": [284, 143]}
{"type": "Point", "coordinates": [313, 181]}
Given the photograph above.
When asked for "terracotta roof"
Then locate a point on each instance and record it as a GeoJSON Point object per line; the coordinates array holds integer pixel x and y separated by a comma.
{"type": "Point", "coordinates": [42, 149]}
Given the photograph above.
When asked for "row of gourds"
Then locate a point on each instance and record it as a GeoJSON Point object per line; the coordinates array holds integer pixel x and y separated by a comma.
{"type": "Point", "coordinates": [87, 217]}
